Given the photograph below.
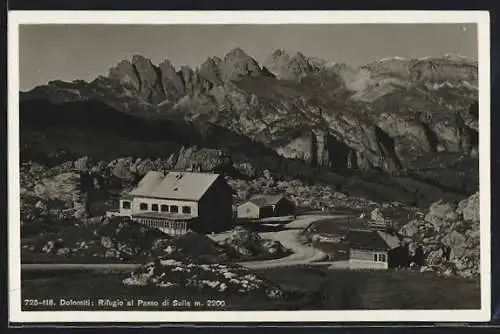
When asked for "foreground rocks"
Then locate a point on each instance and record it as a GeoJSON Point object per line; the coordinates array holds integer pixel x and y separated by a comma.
{"type": "Point", "coordinates": [114, 240]}
{"type": "Point", "coordinates": [449, 236]}
{"type": "Point", "coordinates": [200, 277]}
{"type": "Point", "coordinates": [250, 244]}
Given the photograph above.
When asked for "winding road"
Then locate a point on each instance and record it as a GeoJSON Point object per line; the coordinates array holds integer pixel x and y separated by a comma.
{"type": "Point", "coordinates": [302, 254]}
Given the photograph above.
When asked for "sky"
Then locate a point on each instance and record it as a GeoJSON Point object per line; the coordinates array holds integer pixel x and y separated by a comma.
{"type": "Point", "coordinates": [69, 52]}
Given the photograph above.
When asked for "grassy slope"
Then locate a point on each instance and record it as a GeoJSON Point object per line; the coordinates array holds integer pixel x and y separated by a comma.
{"type": "Point", "coordinates": [380, 290]}
{"type": "Point", "coordinates": [324, 290]}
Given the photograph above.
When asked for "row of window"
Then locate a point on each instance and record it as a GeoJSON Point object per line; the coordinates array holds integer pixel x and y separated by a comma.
{"type": "Point", "coordinates": [156, 207]}
{"type": "Point", "coordinates": [379, 257]}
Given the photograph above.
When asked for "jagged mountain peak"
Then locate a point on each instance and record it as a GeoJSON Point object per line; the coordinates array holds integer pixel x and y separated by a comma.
{"type": "Point", "coordinates": [137, 58]}
{"type": "Point", "coordinates": [300, 56]}
{"type": "Point", "coordinates": [237, 64]}
{"type": "Point", "coordinates": [237, 52]}
{"type": "Point", "coordinates": [287, 67]}
{"type": "Point", "coordinates": [315, 94]}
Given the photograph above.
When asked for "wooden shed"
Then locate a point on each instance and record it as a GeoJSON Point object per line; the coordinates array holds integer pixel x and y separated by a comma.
{"type": "Point", "coordinates": [370, 249]}
{"type": "Point", "coordinates": [264, 206]}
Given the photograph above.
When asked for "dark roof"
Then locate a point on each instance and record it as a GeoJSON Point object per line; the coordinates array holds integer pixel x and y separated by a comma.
{"type": "Point", "coordinates": [391, 240]}
{"type": "Point", "coordinates": [369, 240]}
{"type": "Point", "coordinates": [266, 200]}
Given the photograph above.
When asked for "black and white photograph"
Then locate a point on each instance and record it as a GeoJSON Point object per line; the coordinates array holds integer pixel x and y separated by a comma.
{"type": "Point", "coordinates": [182, 168]}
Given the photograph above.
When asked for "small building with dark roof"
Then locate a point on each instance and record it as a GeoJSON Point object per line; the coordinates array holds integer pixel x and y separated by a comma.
{"type": "Point", "coordinates": [176, 202]}
{"type": "Point", "coordinates": [369, 249]}
{"type": "Point", "coordinates": [264, 206]}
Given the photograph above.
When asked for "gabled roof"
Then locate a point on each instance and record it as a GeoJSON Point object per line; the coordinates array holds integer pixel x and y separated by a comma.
{"type": "Point", "coordinates": [266, 200]}
{"type": "Point", "coordinates": [174, 185]}
{"type": "Point", "coordinates": [363, 239]}
{"type": "Point", "coordinates": [147, 184]}
{"type": "Point", "coordinates": [392, 241]}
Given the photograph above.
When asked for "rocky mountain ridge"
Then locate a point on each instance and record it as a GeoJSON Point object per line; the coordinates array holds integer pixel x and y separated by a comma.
{"type": "Point", "coordinates": [382, 115]}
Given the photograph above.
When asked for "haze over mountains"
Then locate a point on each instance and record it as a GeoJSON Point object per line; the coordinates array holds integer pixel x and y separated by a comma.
{"type": "Point", "coordinates": [386, 115]}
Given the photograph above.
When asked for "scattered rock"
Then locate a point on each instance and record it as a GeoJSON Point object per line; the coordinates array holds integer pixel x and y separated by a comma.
{"type": "Point", "coordinates": [469, 208]}
{"type": "Point", "coordinates": [377, 216]}
{"type": "Point", "coordinates": [198, 276]}
{"type": "Point", "coordinates": [449, 238]}
{"type": "Point", "coordinates": [82, 164]}
{"type": "Point", "coordinates": [248, 243]}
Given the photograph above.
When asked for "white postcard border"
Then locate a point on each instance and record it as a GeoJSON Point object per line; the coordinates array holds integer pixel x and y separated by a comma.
{"type": "Point", "coordinates": [15, 18]}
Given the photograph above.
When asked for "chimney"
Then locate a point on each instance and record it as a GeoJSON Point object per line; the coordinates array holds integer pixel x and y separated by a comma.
{"type": "Point", "coordinates": [164, 170]}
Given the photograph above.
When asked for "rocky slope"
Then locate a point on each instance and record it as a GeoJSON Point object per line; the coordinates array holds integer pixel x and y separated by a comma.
{"type": "Point", "coordinates": [115, 240]}
{"type": "Point", "coordinates": [448, 236]}
{"type": "Point", "coordinates": [382, 114]}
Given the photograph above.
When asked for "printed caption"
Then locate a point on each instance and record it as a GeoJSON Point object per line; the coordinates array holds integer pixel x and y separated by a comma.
{"type": "Point", "coordinates": [161, 303]}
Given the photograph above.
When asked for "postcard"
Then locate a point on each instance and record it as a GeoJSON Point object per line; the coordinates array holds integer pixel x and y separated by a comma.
{"type": "Point", "coordinates": [260, 166]}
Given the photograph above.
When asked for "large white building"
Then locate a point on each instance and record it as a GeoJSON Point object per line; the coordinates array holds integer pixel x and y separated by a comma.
{"type": "Point", "coordinates": [176, 202]}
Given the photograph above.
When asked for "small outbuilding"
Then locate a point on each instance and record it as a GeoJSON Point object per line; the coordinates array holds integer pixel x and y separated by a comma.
{"type": "Point", "coordinates": [264, 206]}
{"type": "Point", "coordinates": [370, 249]}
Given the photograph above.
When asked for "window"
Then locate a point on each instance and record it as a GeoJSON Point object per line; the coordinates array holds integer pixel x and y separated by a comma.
{"type": "Point", "coordinates": [126, 205]}
{"type": "Point", "coordinates": [164, 208]}
{"type": "Point", "coordinates": [174, 208]}
{"type": "Point", "coordinates": [186, 209]}
{"type": "Point", "coordinates": [143, 206]}
{"type": "Point", "coordinates": [154, 207]}
{"type": "Point", "coordinates": [380, 257]}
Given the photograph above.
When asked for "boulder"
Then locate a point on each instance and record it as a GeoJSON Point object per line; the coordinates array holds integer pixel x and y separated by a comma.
{"type": "Point", "coordinates": [83, 164]}
{"type": "Point", "coordinates": [377, 216]}
{"type": "Point", "coordinates": [121, 168]}
{"type": "Point", "coordinates": [457, 242]}
{"type": "Point", "coordinates": [58, 187]}
{"type": "Point", "coordinates": [81, 214]}
{"type": "Point", "coordinates": [441, 212]}
{"type": "Point", "coordinates": [435, 257]}
{"type": "Point", "coordinates": [410, 229]}
{"type": "Point", "coordinates": [141, 167]}
{"type": "Point", "coordinates": [469, 208]}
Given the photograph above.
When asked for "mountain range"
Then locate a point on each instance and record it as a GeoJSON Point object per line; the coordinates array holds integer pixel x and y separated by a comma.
{"type": "Point", "coordinates": [387, 115]}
